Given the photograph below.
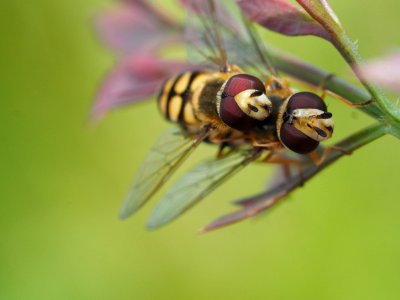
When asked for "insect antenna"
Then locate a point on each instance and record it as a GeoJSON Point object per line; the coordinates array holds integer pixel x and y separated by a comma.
{"type": "Point", "coordinates": [259, 47]}
{"type": "Point", "coordinates": [208, 35]}
{"type": "Point", "coordinates": [209, 40]}
{"type": "Point", "coordinates": [217, 36]}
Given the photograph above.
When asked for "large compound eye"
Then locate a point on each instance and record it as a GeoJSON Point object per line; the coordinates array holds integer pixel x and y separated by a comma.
{"type": "Point", "coordinates": [305, 100]}
{"type": "Point", "coordinates": [295, 140]}
{"type": "Point", "coordinates": [239, 83]}
{"type": "Point", "coordinates": [305, 123]}
{"type": "Point", "coordinates": [243, 103]}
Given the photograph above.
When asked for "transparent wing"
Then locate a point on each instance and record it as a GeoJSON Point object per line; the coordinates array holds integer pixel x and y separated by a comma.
{"type": "Point", "coordinates": [220, 35]}
{"type": "Point", "coordinates": [198, 183]}
{"type": "Point", "coordinates": [202, 34]}
{"type": "Point", "coordinates": [167, 154]}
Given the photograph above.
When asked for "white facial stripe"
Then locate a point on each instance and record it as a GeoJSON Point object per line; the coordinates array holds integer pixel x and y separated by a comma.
{"type": "Point", "coordinates": [306, 112]}
{"type": "Point", "coordinates": [306, 120]}
{"type": "Point", "coordinates": [261, 100]}
{"type": "Point", "coordinates": [243, 97]}
{"type": "Point", "coordinates": [262, 103]}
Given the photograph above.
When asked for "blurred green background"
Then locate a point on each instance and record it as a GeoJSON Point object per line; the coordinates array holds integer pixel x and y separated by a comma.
{"type": "Point", "coordinates": [62, 181]}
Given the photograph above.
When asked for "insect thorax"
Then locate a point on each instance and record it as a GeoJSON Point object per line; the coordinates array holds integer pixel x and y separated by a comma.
{"type": "Point", "coordinates": [191, 99]}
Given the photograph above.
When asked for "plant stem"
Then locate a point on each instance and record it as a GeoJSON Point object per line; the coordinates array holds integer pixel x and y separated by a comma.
{"type": "Point", "coordinates": [315, 76]}
{"type": "Point", "coordinates": [323, 14]}
{"type": "Point", "coordinates": [265, 200]}
{"type": "Point", "coordinates": [349, 52]}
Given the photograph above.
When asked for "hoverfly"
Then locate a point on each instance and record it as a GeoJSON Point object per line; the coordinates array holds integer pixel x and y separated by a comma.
{"type": "Point", "coordinates": [246, 110]}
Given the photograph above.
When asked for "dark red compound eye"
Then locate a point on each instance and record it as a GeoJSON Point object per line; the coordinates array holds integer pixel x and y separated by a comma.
{"type": "Point", "coordinates": [229, 111]}
{"type": "Point", "coordinates": [305, 100]}
{"type": "Point", "coordinates": [297, 141]}
{"type": "Point", "coordinates": [239, 83]}
{"type": "Point", "coordinates": [290, 136]}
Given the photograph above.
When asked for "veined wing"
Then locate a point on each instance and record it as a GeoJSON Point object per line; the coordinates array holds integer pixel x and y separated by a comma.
{"type": "Point", "coordinates": [202, 34]}
{"type": "Point", "coordinates": [198, 183]}
{"type": "Point", "coordinates": [221, 35]}
{"type": "Point", "coordinates": [167, 154]}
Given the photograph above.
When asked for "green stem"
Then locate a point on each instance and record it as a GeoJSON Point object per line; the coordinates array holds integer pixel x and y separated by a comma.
{"type": "Point", "coordinates": [265, 200]}
{"type": "Point", "coordinates": [314, 76]}
{"type": "Point", "coordinates": [323, 14]}
{"type": "Point", "coordinates": [349, 144]}
{"type": "Point", "coordinates": [349, 52]}
{"type": "Point", "coordinates": [359, 139]}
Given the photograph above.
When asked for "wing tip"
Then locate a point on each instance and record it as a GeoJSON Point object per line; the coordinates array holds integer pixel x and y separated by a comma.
{"type": "Point", "coordinates": [123, 214]}
{"type": "Point", "coordinates": [127, 210]}
{"type": "Point", "coordinates": [130, 206]}
{"type": "Point", "coordinates": [151, 225]}
{"type": "Point", "coordinates": [156, 221]}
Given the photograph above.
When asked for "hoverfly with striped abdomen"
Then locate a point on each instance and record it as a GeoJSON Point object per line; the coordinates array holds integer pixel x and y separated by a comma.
{"type": "Point", "coordinates": [238, 103]}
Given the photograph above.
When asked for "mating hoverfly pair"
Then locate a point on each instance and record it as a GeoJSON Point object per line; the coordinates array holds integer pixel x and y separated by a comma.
{"type": "Point", "coordinates": [250, 120]}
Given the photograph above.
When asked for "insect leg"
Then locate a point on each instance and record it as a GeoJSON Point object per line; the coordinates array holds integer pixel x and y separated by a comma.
{"type": "Point", "coordinates": [325, 92]}
{"type": "Point", "coordinates": [322, 85]}
{"type": "Point", "coordinates": [346, 101]}
{"type": "Point", "coordinates": [319, 160]}
{"type": "Point", "coordinates": [277, 158]}
{"type": "Point", "coordinates": [235, 68]}
{"type": "Point", "coordinates": [288, 165]}
{"type": "Point", "coordinates": [271, 145]}
{"type": "Point", "coordinates": [221, 150]}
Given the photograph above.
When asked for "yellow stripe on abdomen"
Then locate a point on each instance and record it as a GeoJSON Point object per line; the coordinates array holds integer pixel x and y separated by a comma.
{"type": "Point", "coordinates": [174, 107]}
{"type": "Point", "coordinates": [182, 84]}
{"type": "Point", "coordinates": [188, 114]}
{"type": "Point", "coordinates": [176, 98]}
{"type": "Point", "coordinates": [163, 98]}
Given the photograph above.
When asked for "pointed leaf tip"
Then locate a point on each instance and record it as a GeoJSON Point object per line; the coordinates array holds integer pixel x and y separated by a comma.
{"type": "Point", "coordinates": [283, 17]}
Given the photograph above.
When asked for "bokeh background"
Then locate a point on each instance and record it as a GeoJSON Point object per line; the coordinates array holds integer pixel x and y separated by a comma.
{"type": "Point", "coordinates": [62, 181]}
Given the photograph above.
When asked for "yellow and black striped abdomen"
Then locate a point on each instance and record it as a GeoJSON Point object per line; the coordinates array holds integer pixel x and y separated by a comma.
{"type": "Point", "coordinates": [176, 98]}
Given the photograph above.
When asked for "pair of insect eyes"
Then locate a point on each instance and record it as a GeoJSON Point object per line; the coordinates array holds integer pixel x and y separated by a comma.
{"type": "Point", "coordinates": [234, 116]}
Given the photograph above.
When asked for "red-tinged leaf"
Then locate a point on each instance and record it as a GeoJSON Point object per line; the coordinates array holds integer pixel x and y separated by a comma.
{"type": "Point", "coordinates": [254, 205]}
{"type": "Point", "coordinates": [259, 204]}
{"type": "Point", "coordinates": [265, 200]}
{"type": "Point", "coordinates": [278, 180]}
{"type": "Point", "coordinates": [283, 17]}
{"type": "Point", "coordinates": [384, 71]}
{"type": "Point", "coordinates": [135, 26]}
{"type": "Point", "coordinates": [134, 79]}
